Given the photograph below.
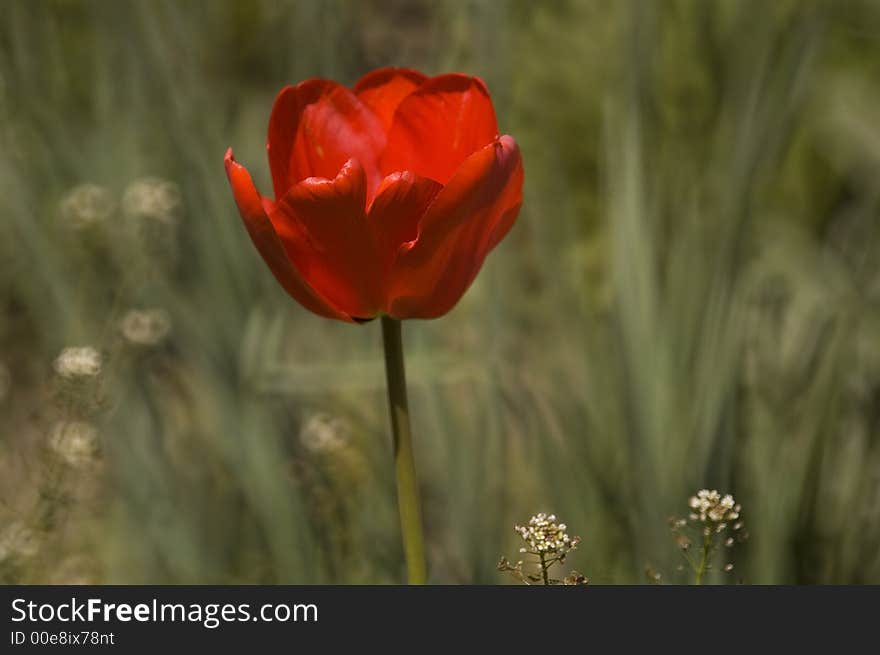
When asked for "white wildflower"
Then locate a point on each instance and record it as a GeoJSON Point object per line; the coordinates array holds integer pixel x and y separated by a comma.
{"type": "Point", "coordinates": [152, 198]}
{"type": "Point", "coordinates": [545, 537]}
{"type": "Point", "coordinates": [324, 433]}
{"type": "Point", "coordinates": [712, 507]}
{"type": "Point", "coordinates": [78, 362]}
{"type": "Point", "coordinates": [145, 327]}
{"type": "Point", "coordinates": [74, 442]}
{"type": "Point", "coordinates": [86, 205]}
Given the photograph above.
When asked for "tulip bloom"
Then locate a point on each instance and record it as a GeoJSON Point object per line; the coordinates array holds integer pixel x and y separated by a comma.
{"type": "Point", "coordinates": [388, 196]}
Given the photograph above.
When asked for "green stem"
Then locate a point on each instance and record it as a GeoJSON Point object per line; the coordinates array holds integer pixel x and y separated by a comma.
{"type": "Point", "coordinates": [408, 502]}
{"type": "Point", "coordinates": [544, 573]}
{"type": "Point", "coordinates": [704, 561]}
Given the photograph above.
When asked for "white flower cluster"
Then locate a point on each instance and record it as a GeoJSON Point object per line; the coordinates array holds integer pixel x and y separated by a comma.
{"type": "Point", "coordinates": [86, 205]}
{"type": "Point", "coordinates": [545, 536]}
{"type": "Point", "coordinates": [322, 433]}
{"type": "Point", "coordinates": [151, 198]}
{"type": "Point", "coordinates": [716, 513]}
{"type": "Point", "coordinates": [78, 362]}
{"type": "Point", "coordinates": [145, 327]}
{"type": "Point", "coordinates": [710, 506]}
{"type": "Point", "coordinates": [74, 442]}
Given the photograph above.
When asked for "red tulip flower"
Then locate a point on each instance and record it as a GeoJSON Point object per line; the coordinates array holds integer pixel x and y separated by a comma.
{"type": "Point", "coordinates": [388, 196]}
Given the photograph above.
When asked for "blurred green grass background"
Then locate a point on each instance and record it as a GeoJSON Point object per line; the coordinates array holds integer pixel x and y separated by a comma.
{"type": "Point", "coordinates": [690, 298]}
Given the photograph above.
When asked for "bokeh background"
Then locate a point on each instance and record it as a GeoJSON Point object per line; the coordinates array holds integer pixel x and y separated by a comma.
{"type": "Point", "coordinates": [690, 298]}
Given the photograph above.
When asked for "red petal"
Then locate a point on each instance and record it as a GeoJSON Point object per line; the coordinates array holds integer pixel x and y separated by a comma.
{"type": "Point", "coordinates": [382, 90]}
{"type": "Point", "coordinates": [262, 233]}
{"type": "Point", "coordinates": [465, 221]}
{"type": "Point", "coordinates": [336, 128]}
{"type": "Point", "coordinates": [394, 216]}
{"type": "Point", "coordinates": [317, 126]}
{"type": "Point", "coordinates": [438, 126]}
{"type": "Point", "coordinates": [284, 122]}
{"type": "Point", "coordinates": [322, 224]}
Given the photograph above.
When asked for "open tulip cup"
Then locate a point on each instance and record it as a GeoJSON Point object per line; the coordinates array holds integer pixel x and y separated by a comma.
{"type": "Point", "coordinates": [387, 198]}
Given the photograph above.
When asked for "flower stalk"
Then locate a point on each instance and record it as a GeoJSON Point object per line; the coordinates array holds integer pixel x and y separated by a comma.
{"type": "Point", "coordinates": [705, 556]}
{"type": "Point", "coordinates": [409, 505]}
{"type": "Point", "coordinates": [545, 576]}
{"type": "Point", "coordinates": [547, 541]}
{"type": "Point", "coordinates": [714, 520]}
